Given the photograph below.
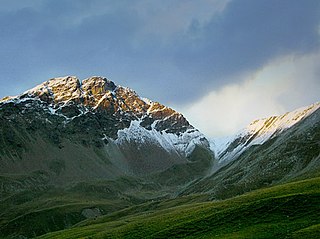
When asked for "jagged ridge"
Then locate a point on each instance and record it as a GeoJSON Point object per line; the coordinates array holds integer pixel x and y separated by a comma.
{"type": "Point", "coordinates": [99, 93]}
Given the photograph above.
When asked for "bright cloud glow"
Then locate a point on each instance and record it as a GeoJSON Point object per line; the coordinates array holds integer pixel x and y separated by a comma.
{"type": "Point", "coordinates": [278, 87]}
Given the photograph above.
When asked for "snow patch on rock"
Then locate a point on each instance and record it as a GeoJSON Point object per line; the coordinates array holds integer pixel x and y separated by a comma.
{"type": "Point", "coordinates": [183, 143]}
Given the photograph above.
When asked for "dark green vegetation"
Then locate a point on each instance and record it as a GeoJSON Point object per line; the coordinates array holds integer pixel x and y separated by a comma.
{"type": "Point", "coordinates": [287, 211]}
{"type": "Point", "coordinates": [107, 210]}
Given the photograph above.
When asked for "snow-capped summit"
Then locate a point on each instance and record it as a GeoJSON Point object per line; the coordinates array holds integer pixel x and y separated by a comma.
{"type": "Point", "coordinates": [129, 115]}
{"type": "Point", "coordinates": [259, 131]}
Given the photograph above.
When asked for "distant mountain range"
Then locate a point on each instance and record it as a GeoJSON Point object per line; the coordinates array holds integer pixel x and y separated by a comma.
{"type": "Point", "coordinates": [93, 136]}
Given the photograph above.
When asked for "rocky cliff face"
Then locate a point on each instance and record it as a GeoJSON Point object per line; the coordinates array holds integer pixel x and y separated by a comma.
{"type": "Point", "coordinates": [71, 131]}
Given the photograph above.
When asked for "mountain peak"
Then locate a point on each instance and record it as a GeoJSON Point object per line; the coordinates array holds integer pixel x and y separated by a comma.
{"type": "Point", "coordinates": [57, 89]}
{"type": "Point", "coordinates": [71, 88]}
{"type": "Point", "coordinates": [97, 113]}
{"type": "Point", "coordinates": [70, 98]}
{"type": "Point", "coordinates": [282, 121]}
{"type": "Point", "coordinates": [97, 85]}
{"type": "Point", "coordinates": [95, 92]}
{"type": "Point", "coordinates": [261, 130]}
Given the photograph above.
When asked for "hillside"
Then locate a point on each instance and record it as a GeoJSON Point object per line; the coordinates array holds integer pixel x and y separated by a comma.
{"type": "Point", "coordinates": [287, 211]}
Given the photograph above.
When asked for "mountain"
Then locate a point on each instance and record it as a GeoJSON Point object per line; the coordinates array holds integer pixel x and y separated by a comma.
{"type": "Point", "coordinates": [72, 150]}
{"type": "Point", "coordinates": [94, 159]}
{"type": "Point", "coordinates": [268, 152]}
{"type": "Point", "coordinates": [73, 131]}
{"type": "Point", "coordinates": [259, 131]}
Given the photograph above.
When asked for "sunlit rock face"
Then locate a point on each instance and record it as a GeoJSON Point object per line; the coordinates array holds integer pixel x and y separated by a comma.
{"type": "Point", "coordinates": [99, 93]}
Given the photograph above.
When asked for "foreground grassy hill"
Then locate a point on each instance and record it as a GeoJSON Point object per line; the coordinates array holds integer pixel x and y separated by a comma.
{"type": "Point", "coordinates": [290, 210]}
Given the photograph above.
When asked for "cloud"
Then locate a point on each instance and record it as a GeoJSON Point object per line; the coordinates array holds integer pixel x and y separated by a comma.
{"type": "Point", "coordinates": [170, 18]}
{"type": "Point", "coordinates": [246, 36]}
{"type": "Point", "coordinates": [15, 5]}
{"type": "Point", "coordinates": [119, 39]}
{"type": "Point", "coordinates": [168, 51]}
{"type": "Point", "coordinates": [281, 85]}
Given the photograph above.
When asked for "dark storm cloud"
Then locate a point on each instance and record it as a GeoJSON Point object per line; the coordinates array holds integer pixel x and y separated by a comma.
{"type": "Point", "coordinates": [158, 48]}
{"type": "Point", "coordinates": [248, 34]}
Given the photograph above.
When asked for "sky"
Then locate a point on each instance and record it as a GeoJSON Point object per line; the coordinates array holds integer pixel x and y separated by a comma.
{"type": "Point", "coordinates": [222, 63]}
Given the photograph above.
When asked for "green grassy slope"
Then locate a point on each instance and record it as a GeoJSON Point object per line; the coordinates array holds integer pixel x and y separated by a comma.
{"type": "Point", "coordinates": [41, 210]}
{"type": "Point", "coordinates": [36, 213]}
{"type": "Point", "coordinates": [286, 211]}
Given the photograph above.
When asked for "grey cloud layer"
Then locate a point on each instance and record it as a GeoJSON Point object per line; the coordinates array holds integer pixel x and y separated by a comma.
{"type": "Point", "coordinates": [169, 51]}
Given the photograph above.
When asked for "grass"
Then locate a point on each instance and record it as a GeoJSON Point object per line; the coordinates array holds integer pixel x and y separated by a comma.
{"type": "Point", "coordinates": [286, 211]}
{"type": "Point", "coordinates": [309, 232]}
{"type": "Point", "coordinates": [35, 213]}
